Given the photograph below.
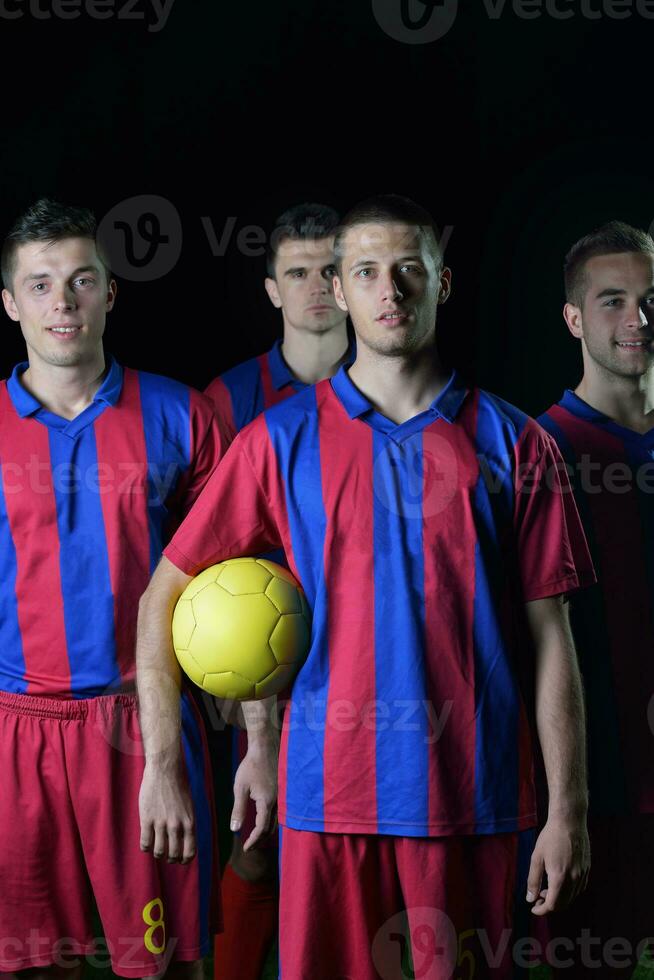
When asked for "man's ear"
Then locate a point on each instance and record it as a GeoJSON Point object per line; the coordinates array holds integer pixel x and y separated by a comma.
{"type": "Point", "coordinates": [273, 292]}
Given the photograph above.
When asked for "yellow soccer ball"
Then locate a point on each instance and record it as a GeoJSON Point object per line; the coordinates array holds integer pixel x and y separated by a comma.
{"type": "Point", "coordinates": [242, 628]}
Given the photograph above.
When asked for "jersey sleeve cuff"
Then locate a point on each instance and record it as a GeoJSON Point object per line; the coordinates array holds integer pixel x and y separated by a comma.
{"type": "Point", "coordinates": [181, 561]}
{"type": "Point", "coordinates": [570, 583]}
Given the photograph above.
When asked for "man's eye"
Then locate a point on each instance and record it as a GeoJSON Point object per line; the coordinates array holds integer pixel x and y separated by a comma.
{"type": "Point", "coordinates": [330, 272]}
{"type": "Point", "coordinates": [364, 273]}
{"type": "Point", "coordinates": [38, 287]}
{"type": "Point", "coordinates": [83, 281]}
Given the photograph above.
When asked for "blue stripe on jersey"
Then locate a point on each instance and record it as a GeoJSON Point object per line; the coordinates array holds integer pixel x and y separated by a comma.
{"type": "Point", "coordinates": [165, 408]}
{"type": "Point", "coordinates": [402, 761]}
{"type": "Point", "coordinates": [297, 448]}
{"type": "Point", "coordinates": [84, 565]}
{"type": "Point", "coordinates": [496, 693]}
{"type": "Point", "coordinates": [11, 641]}
{"type": "Point", "coordinates": [246, 391]}
{"type": "Point", "coordinates": [194, 755]}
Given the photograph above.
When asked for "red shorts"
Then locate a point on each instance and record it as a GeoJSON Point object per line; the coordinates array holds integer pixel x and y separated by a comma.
{"type": "Point", "coordinates": [71, 773]}
{"type": "Point", "coordinates": [348, 902]}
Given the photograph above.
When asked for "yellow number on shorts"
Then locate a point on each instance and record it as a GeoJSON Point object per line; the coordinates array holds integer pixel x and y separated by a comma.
{"type": "Point", "coordinates": [158, 923]}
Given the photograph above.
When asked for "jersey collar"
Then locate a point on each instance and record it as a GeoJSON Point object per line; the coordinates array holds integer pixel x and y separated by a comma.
{"type": "Point", "coordinates": [577, 406]}
{"type": "Point", "coordinates": [446, 405]}
{"type": "Point", "coordinates": [26, 404]}
{"type": "Point", "coordinates": [280, 373]}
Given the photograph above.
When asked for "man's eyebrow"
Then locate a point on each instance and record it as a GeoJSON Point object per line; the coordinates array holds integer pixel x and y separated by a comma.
{"type": "Point", "coordinates": [47, 275]}
{"type": "Point", "coordinates": [413, 257]}
{"type": "Point", "coordinates": [611, 291]}
{"type": "Point", "coordinates": [295, 268]}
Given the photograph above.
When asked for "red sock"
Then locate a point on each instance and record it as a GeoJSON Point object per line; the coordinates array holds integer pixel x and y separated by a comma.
{"type": "Point", "coordinates": [250, 917]}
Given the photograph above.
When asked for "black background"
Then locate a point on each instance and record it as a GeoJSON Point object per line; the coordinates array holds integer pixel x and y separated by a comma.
{"type": "Point", "coordinates": [519, 135]}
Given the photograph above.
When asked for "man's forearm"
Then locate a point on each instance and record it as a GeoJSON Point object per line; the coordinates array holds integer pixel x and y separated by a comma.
{"type": "Point", "coordinates": [561, 719]}
{"type": "Point", "coordinates": [158, 674]}
{"type": "Point", "coordinates": [260, 721]}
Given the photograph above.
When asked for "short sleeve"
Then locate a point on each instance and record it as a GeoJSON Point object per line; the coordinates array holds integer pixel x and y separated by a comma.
{"type": "Point", "coordinates": [218, 393]}
{"type": "Point", "coordinates": [233, 516]}
{"type": "Point", "coordinates": [209, 440]}
{"type": "Point", "coordinates": [553, 555]}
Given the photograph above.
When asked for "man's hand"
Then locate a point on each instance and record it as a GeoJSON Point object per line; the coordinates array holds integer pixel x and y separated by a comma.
{"type": "Point", "coordinates": [563, 852]}
{"type": "Point", "coordinates": [166, 812]}
{"type": "Point", "coordinates": [256, 778]}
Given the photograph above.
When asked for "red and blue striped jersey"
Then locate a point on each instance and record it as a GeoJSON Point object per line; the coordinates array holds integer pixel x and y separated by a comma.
{"type": "Point", "coordinates": [612, 473]}
{"type": "Point", "coordinates": [413, 543]}
{"type": "Point", "coordinates": [85, 508]}
{"type": "Point", "coordinates": [246, 390]}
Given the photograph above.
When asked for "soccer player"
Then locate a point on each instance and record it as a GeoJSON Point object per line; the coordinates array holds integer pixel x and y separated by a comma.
{"type": "Point", "coordinates": [429, 527]}
{"type": "Point", "coordinates": [605, 430]}
{"type": "Point", "coordinates": [300, 266]}
{"type": "Point", "coordinates": [98, 464]}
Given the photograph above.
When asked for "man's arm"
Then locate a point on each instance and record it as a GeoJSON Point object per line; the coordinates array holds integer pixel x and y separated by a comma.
{"type": "Point", "coordinates": [166, 811]}
{"type": "Point", "coordinates": [165, 807]}
{"type": "Point", "coordinates": [562, 849]}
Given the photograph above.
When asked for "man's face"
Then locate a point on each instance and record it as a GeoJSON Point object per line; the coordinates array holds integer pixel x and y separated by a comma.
{"type": "Point", "coordinates": [302, 287]}
{"type": "Point", "coordinates": [391, 283]}
{"type": "Point", "coordinates": [61, 297]}
{"type": "Point", "coordinates": [616, 322]}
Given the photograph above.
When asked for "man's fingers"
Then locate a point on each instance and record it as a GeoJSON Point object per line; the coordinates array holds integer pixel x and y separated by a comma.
{"type": "Point", "coordinates": [190, 846]}
{"type": "Point", "coordinates": [262, 824]}
{"type": "Point", "coordinates": [147, 835]}
{"type": "Point", "coordinates": [174, 843]}
{"type": "Point", "coordinates": [241, 797]}
{"type": "Point", "coordinates": [159, 848]}
{"type": "Point", "coordinates": [535, 878]}
{"type": "Point", "coordinates": [555, 883]}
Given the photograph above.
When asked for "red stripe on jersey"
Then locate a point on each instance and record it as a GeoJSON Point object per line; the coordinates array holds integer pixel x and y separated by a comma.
{"type": "Point", "coordinates": [123, 457]}
{"type": "Point", "coordinates": [624, 587]}
{"type": "Point", "coordinates": [451, 470]}
{"type": "Point", "coordinates": [349, 575]}
{"type": "Point", "coordinates": [219, 394]}
{"type": "Point", "coordinates": [32, 515]}
{"type": "Point", "coordinates": [276, 495]}
{"type": "Point", "coordinates": [271, 395]}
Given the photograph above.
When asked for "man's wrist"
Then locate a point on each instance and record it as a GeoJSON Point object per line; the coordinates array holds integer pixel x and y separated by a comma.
{"type": "Point", "coordinates": [570, 810]}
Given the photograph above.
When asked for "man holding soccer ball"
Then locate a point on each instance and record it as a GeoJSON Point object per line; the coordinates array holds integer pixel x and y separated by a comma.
{"type": "Point", "coordinates": [435, 539]}
{"type": "Point", "coordinates": [314, 344]}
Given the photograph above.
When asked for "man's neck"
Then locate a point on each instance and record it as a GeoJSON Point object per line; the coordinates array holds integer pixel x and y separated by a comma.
{"type": "Point", "coordinates": [65, 391]}
{"type": "Point", "coordinates": [399, 387]}
{"type": "Point", "coordinates": [312, 357]}
{"type": "Point", "coordinates": [628, 401]}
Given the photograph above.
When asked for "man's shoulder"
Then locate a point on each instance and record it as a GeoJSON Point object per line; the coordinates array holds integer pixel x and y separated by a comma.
{"type": "Point", "coordinates": [495, 414]}
{"type": "Point", "coordinates": [247, 371]}
{"type": "Point", "coordinates": [166, 396]}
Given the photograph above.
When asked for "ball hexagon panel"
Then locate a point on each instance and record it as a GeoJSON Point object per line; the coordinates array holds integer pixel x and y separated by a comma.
{"type": "Point", "coordinates": [233, 628]}
{"type": "Point", "coordinates": [183, 624]}
{"type": "Point", "coordinates": [191, 667]}
{"type": "Point", "coordinates": [207, 577]}
{"type": "Point", "coordinates": [229, 684]}
{"type": "Point", "coordinates": [289, 638]}
{"type": "Point", "coordinates": [284, 595]}
{"type": "Point", "coordinates": [275, 682]}
{"type": "Point", "coordinates": [244, 576]}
